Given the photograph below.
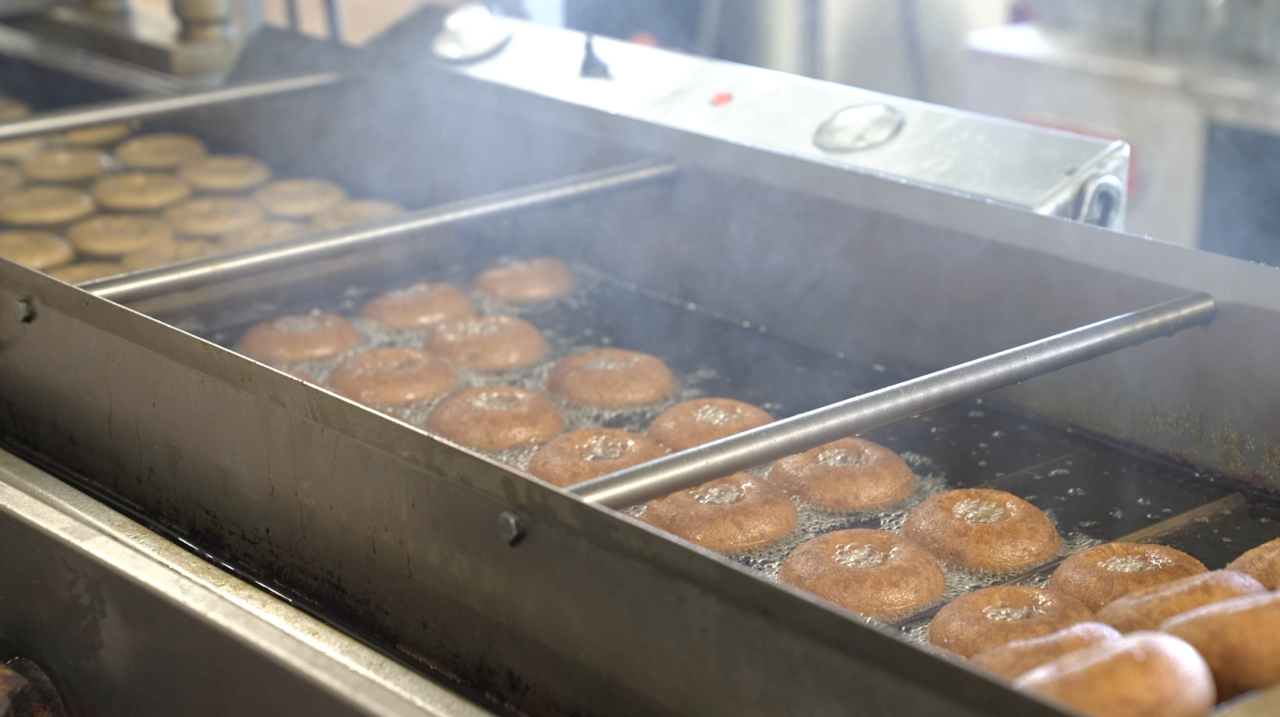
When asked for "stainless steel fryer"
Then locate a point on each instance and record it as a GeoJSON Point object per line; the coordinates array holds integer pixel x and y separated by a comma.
{"type": "Point", "coordinates": [396, 535]}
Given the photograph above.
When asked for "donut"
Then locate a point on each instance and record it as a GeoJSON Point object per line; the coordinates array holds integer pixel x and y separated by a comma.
{"type": "Point", "coordinates": [983, 529]}
{"type": "Point", "coordinates": [290, 339]}
{"type": "Point", "coordinates": [1019, 656]}
{"type": "Point", "coordinates": [418, 306]}
{"type": "Point", "coordinates": [1143, 674]}
{"type": "Point", "coordinates": [224, 173]}
{"type": "Point", "coordinates": [18, 148]}
{"type": "Point", "coordinates": [727, 515]}
{"type": "Point", "coordinates": [11, 109]}
{"type": "Point", "coordinates": [270, 231]}
{"type": "Point", "coordinates": [393, 377]}
{"type": "Point", "coordinates": [846, 475]}
{"type": "Point", "coordinates": [64, 164]}
{"type": "Point", "coordinates": [1237, 637]}
{"type": "Point", "coordinates": [874, 573]}
{"type": "Point", "coordinates": [1262, 562]}
{"type": "Point", "coordinates": [611, 377]}
{"type": "Point", "coordinates": [35, 249]}
{"type": "Point", "coordinates": [45, 206]}
{"type": "Point", "coordinates": [988, 618]}
{"type": "Point", "coordinates": [212, 216]}
{"type": "Point", "coordinates": [590, 453]}
{"type": "Point", "coordinates": [1098, 575]}
{"type": "Point", "coordinates": [11, 179]}
{"type": "Point", "coordinates": [298, 198]}
{"type": "Point", "coordinates": [168, 252]}
{"type": "Point", "coordinates": [526, 281]}
{"type": "Point", "coordinates": [139, 191]}
{"type": "Point", "coordinates": [76, 273]}
{"type": "Point", "coordinates": [160, 151]}
{"type": "Point", "coordinates": [704, 420]}
{"type": "Point", "coordinates": [1145, 609]}
{"type": "Point", "coordinates": [495, 418]}
{"type": "Point", "coordinates": [96, 136]}
{"type": "Point", "coordinates": [115, 235]}
{"type": "Point", "coordinates": [493, 342]}
{"type": "Point", "coordinates": [354, 211]}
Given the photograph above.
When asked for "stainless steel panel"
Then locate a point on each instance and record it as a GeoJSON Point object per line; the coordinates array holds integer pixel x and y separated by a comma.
{"type": "Point", "coordinates": [128, 623]}
{"type": "Point", "coordinates": [778, 113]}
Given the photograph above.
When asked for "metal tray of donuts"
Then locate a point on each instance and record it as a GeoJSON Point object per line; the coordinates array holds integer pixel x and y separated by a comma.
{"type": "Point", "coordinates": [771, 280]}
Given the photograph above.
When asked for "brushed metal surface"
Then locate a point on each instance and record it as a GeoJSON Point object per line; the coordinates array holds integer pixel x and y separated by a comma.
{"type": "Point", "coordinates": [940, 147]}
{"type": "Point", "coordinates": [127, 623]}
{"type": "Point", "coordinates": [140, 108]}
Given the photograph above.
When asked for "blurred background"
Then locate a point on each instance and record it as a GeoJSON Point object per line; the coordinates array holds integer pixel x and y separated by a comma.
{"type": "Point", "coordinates": [1191, 84]}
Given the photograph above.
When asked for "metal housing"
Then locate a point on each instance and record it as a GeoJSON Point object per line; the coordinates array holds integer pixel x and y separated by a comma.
{"type": "Point", "coordinates": [397, 535]}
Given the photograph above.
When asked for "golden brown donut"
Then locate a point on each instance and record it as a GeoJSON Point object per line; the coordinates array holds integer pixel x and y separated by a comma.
{"type": "Point", "coordinates": [168, 252]}
{"type": "Point", "coordinates": [35, 249]}
{"type": "Point", "coordinates": [11, 179]}
{"type": "Point", "coordinates": [76, 273]}
{"type": "Point", "coordinates": [1143, 674]}
{"type": "Point", "coordinates": [273, 230]}
{"type": "Point", "coordinates": [495, 418]}
{"type": "Point", "coordinates": [96, 136]}
{"type": "Point", "coordinates": [139, 191]}
{"type": "Point", "coordinates": [212, 216]}
{"type": "Point", "coordinates": [1262, 562]}
{"type": "Point", "coordinates": [726, 515]}
{"type": "Point", "coordinates": [1238, 638]}
{"type": "Point", "coordinates": [418, 306]}
{"type": "Point", "coordinates": [703, 420]}
{"type": "Point", "coordinates": [11, 109]}
{"type": "Point", "coordinates": [160, 151]}
{"type": "Point", "coordinates": [1098, 575]}
{"type": "Point", "coordinates": [44, 206]}
{"type": "Point", "coordinates": [983, 529]}
{"type": "Point", "coordinates": [354, 211]}
{"type": "Point", "coordinates": [988, 618]}
{"type": "Point", "coordinates": [64, 164]}
{"type": "Point", "coordinates": [611, 377]}
{"type": "Point", "coordinates": [526, 281]}
{"type": "Point", "coordinates": [1019, 656]}
{"type": "Point", "coordinates": [393, 377]}
{"type": "Point", "coordinates": [18, 148]}
{"type": "Point", "coordinates": [874, 573]}
{"type": "Point", "coordinates": [1145, 609]}
{"type": "Point", "coordinates": [224, 173]}
{"type": "Point", "coordinates": [846, 475]}
{"type": "Point", "coordinates": [290, 339]}
{"type": "Point", "coordinates": [493, 342]}
{"type": "Point", "coordinates": [119, 234]}
{"type": "Point", "coordinates": [298, 198]}
{"type": "Point", "coordinates": [590, 453]}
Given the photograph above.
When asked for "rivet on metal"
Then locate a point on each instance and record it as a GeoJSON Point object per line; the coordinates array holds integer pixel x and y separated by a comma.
{"type": "Point", "coordinates": [510, 527]}
{"type": "Point", "coordinates": [24, 310]}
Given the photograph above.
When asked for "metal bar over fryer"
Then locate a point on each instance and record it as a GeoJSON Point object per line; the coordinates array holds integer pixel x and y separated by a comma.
{"type": "Point", "coordinates": [863, 413]}
{"type": "Point", "coordinates": [339, 242]}
{"type": "Point", "coordinates": [138, 108]}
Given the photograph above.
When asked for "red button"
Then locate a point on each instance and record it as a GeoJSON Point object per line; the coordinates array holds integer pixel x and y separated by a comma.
{"type": "Point", "coordinates": [721, 99]}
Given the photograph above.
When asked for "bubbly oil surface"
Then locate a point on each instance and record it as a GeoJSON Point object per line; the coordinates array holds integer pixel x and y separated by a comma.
{"type": "Point", "coordinates": [1092, 491]}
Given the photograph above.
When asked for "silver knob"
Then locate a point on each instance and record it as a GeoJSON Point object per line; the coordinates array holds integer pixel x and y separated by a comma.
{"type": "Point", "coordinates": [859, 127]}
